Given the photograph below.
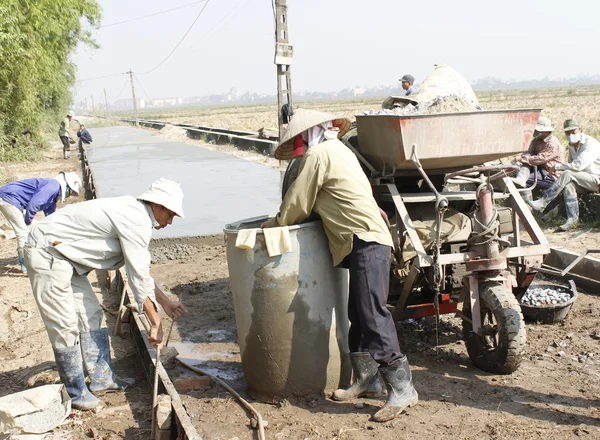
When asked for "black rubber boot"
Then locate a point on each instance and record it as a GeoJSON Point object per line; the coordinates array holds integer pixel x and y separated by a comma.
{"type": "Point", "coordinates": [96, 357]}
{"type": "Point", "coordinates": [367, 378]}
{"type": "Point", "coordinates": [400, 389]}
{"type": "Point", "coordinates": [70, 369]}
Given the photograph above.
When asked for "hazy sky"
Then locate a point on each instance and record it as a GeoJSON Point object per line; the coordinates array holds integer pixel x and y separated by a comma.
{"type": "Point", "coordinates": [337, 44]}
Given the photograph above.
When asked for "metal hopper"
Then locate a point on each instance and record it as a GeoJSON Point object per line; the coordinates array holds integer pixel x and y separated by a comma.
{"type": "Point", "coordinates": [444, 141]}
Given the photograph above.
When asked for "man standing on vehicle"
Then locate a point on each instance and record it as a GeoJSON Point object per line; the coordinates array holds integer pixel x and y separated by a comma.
{"type": "Point", "coordinates": [582, 172]}
{"type": "Point", "coordinates": [103, 234]}
{"type": "Point", "coordinates": [332, 183]}
{"type": "Point", "coordinates": [65, 134]}
{"type": "Point", "coordinates": [408, 84]}
{"type": "Point", "coordinates": [545, 151]}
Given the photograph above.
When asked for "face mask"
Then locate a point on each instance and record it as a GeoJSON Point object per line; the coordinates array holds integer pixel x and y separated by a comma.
{"type": "Point", "coordinates": [574, 138]}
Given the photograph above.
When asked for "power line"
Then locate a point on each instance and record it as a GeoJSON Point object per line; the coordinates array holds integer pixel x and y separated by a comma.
{"type": "Point", "coordinates": [122, 90]}
{"type": "Point", "coordinates": [180, 41]}
{"type": "Point", "coordinates": [151, 15]}
{"type": "Point", "coordinates": [142, 87]}
{"type": "Point", "coordinates": [102, 77]}
{"type": "Point", "coordinates": [240, 5]}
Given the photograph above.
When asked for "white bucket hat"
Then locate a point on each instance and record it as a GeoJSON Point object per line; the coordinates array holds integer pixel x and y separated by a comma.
{"type": "Point", "coordinates": [71, 180]}
{"type": "Point", "coordinates": [544, 125]}
{"type": "Point", "coordinates": [71, 113]}
{"type": "Point", "coordinates": [166, 193]}
{"type": "Point", "coordinates": [302, 121]}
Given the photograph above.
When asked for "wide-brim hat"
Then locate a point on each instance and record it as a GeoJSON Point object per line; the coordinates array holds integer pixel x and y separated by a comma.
{"type": "Point", "coordinates": [544, 125]}
{"type": "Point", "coordinates": [302, 121]}
{"type": "Point", "coordinates": [166, 193]}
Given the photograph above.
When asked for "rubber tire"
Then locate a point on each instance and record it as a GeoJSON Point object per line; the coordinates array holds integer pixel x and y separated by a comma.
{"type": "Point", "coordinates": [505, 358]}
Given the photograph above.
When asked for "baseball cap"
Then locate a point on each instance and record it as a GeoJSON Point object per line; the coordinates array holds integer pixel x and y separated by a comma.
{"type": "Point", "coordinates": [571, 124]}
{"type": "Point", "coordinates": [408, 78]}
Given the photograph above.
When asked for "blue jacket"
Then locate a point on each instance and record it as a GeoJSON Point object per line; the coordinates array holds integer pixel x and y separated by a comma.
{"type": "Point", "coordinates": [85, 136]}
{"type": "Point", "coordinates": [33, 195]}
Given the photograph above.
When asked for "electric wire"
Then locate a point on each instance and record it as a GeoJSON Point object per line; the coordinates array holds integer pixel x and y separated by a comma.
{"type": "Point", "coordinates": [180, 41]}
{"type": "Point", "coordinates": [141, 86]}
{"type": "Point", "coordinates": [151, 15]}
{"type": "Point", "coordinates": [101, 77]}
{"type": "Point", "coordinates": [236, 10]}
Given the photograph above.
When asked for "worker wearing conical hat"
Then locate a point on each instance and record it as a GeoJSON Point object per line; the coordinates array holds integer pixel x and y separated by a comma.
{"type": "Point", "coordinates": [332, 183]}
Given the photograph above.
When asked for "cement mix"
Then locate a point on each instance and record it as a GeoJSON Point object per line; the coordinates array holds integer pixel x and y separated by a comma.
{"type": "Point", "coordinates": [218, 188]}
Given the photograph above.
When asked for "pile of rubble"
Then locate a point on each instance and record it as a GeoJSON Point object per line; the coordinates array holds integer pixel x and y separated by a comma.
{"type": "Point", "coordinates": [539, 296]}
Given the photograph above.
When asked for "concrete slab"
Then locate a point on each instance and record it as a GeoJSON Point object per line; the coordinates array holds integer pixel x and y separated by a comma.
{"type": "Point", "coordinates": [218, 188]}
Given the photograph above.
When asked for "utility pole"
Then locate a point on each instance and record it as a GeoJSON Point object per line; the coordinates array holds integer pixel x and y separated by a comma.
{"type": "Point", "coordinates": [93, 108]}
{"type": "Point", "coordinates": [105, 105]}
{"type": "Point", "coordinates": [283, 59]}
{"type": "Point", "coordinates": [135, 113]}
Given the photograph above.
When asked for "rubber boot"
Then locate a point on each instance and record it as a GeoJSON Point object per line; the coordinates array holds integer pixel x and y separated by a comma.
{"type": "Point", "coordinates": [22, 261]}
{"type": "Point", "coordinates": [571, 207]}
{"type": "Point", "coordinates": [66, 154]}
{"type": "Point", "coordinates": [96, 358]}
{"type": "Point", "coordinates": [400, 389]}
{"type": "Point", "coordinates": [520, 179]}
{"type": "Point", "coordinates": [367, 378]}
{"type": "Point", "coordinates": [70, 370]}
{"type": "Point", "coordinates": [543, 202]}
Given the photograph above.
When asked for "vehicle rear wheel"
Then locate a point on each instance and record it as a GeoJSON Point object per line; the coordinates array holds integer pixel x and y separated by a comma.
{"type": "Point", "coordinates": [499, 347]}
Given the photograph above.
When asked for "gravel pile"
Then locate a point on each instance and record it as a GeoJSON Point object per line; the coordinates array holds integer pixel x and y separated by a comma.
{"type": "Point", "coordinates": [539, 296]}
{"type": "Point", "coordinates": [441, 104]}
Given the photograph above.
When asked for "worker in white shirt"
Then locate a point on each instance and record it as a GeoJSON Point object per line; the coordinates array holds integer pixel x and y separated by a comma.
{"type": "Point", "coordinates": [582, 172]}
{"type": "Point", "coordinates": [98, 234]}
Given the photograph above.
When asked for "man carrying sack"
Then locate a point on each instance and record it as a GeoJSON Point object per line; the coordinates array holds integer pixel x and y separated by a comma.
{"type": "Point", "coordinates": [100, 234]}
{"type": "Point", "coordinates": [332, 183]}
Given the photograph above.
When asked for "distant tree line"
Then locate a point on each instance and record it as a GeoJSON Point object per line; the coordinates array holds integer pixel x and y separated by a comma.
{"type": "Point", "coordinates": [37, 38]}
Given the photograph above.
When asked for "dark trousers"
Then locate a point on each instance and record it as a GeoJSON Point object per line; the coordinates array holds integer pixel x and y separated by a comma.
{"type": "Point", "coordinates": [544, 179]}
{"type": "Point", "coordinates": [372, 328]}
{"type": "Point", "coordinates": [65, 142]}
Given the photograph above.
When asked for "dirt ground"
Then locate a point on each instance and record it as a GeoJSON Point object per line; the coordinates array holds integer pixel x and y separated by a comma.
{"type": "Point", "coordinates": [549, 396]}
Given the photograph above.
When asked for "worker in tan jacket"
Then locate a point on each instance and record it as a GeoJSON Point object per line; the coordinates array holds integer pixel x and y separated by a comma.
{"type": "Point", "coordinates": [332, 184]}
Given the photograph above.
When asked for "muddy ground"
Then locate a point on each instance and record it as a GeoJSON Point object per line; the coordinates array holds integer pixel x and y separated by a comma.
{"type": "Point", "coordinates": [550, 396]}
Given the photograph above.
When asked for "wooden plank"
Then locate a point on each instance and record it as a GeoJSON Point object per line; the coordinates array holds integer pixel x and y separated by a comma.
{"type": "Point", "coordinates": [148, 355]}
{"type": "Point", "coordinates": [422, 260]}
{"type": "Point", "coordinates": [522, 210]}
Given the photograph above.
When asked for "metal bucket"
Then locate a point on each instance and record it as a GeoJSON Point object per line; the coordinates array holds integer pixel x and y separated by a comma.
{"type": "Point", "coordinates": [291, 313]}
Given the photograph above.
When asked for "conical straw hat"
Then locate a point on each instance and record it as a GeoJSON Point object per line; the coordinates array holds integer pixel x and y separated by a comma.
{"type": "Point", "coordinates": [302, 121]}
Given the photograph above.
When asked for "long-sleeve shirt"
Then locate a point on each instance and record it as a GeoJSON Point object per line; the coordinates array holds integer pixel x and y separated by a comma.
{"type": "Point", "coordinates": [546, 153]}
{"type": "Point", "coordinates": [585, 158]}
{"type": "Point", "coordinates": [32, 195]}
{"type": "Point", "coordinates": [331, 183]}
{"type": "Point", "coordinates": [104, 234]}
{"type": "Point", "coordinates": [85, 136]}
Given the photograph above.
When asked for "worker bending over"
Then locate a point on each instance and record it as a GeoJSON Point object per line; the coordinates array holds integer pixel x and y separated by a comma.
{"type": "Point", "coordinates": [545, 152]}
{"type": "Point", "coordinates": [582, 172]}
{"type": "Point", "coordinates": [331, 183]}
{"type": "Point", "coordinates": [100, 234]}
{"type": "Point", "coordinates": [21, 200]}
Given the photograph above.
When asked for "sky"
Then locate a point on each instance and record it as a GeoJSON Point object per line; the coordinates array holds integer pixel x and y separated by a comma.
{"type": "Point", "coordinates": [337, 44]}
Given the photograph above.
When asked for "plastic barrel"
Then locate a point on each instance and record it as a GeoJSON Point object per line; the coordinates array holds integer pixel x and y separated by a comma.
{"type": "Point", "coordinates": [291, 313]}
